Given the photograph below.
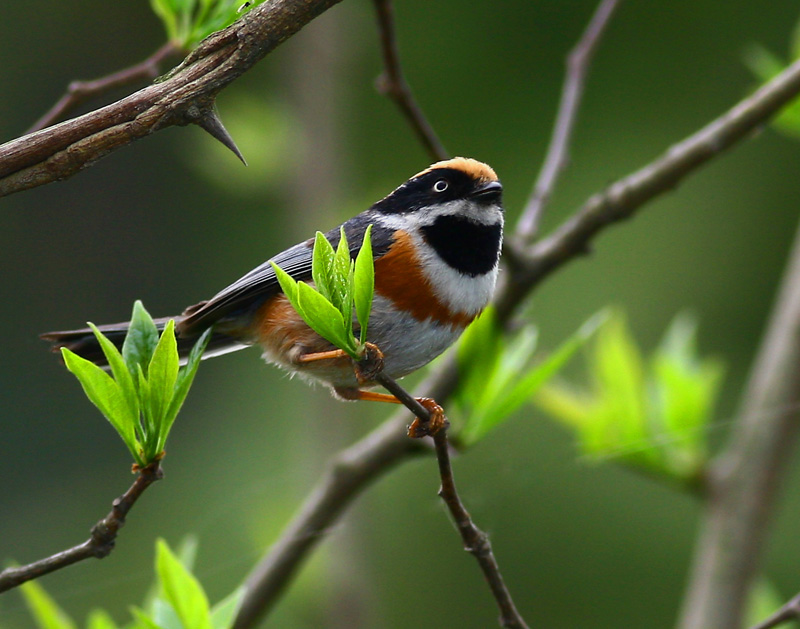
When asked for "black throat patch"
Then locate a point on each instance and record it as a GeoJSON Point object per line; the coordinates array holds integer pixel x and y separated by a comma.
{"type": "Point", "coordinates": [469, 248]}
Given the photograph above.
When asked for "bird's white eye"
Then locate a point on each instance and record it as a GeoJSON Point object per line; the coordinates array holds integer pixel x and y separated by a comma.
{"type": "Point", "coordinates": [441, 185]}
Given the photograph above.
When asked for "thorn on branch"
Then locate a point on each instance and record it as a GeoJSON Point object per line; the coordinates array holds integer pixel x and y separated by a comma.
{"type": "Point", "coordinates": [209, 121]}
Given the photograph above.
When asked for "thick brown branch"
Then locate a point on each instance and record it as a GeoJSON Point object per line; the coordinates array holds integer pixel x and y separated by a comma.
{"type": "Point", "coordinates": [393, 83]}
{"type": "Point", "coordinates": [99, 545]}
{"type": "Point", "coordinates": [60, 151]}
{"type": "Point", "coordinates": [743, 482]}
{"type": "Point", "coordinates": [578, 62]}
{"type": "Point", "coordinates": [79, 92]}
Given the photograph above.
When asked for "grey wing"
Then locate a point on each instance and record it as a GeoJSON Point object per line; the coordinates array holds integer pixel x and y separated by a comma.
{"type": "Point", "coordinates": [249, 292]}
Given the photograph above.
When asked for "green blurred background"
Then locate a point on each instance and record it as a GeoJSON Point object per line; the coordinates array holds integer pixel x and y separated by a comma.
{"type": "Point", "coordinates": [174, 218]}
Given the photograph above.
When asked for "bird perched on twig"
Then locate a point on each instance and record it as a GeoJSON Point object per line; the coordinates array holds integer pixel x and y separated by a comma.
{"type": "Point", "coordinates": [436, 243]}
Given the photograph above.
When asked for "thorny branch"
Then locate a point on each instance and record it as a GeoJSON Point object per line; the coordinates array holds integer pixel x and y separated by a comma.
{"type": "Point", "coordinates": [579, 61]}
{"type": "Point", "coordinates": [100, 543]}
{"type": "Point", "coordinates": [79, 92]}
{"type": "Point", "coordinates": [185, 96]}
{"type": "Point", "coordinates": [393, 83]}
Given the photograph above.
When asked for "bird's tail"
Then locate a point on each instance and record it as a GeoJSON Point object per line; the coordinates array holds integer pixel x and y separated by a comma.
{"type": "Point", "coordinates": [84, 343]}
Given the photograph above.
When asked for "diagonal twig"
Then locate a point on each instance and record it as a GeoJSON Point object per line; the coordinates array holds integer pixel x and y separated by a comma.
{"type": "Point", "coordinates": [100, 543]}
{"type": "Point", "coordinates": [790, 611]}
{"type": "Point", "coordinates": [578, 62]}
{"type": "Point", "coordinates": [624, 197]}
{"type": "Point", "coordinates": [79, 92]}
{"type": "Point", "coordinates": [476, 542]}
{"type": "Point", "coordinates": [393, 83]}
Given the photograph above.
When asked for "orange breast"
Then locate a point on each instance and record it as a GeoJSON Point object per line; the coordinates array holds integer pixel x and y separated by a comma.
{"type": "Point", "coordinates": [399, 277]}
{"type": "Point", "coordinates": [282, 332]}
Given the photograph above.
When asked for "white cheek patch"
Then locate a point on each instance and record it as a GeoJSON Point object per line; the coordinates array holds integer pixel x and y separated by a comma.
{"type": "Point", "coordinates": [478, 214]}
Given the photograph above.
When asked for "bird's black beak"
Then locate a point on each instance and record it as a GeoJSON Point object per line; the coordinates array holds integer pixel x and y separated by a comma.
{"type": "Point", "coordinates": [490, 192]}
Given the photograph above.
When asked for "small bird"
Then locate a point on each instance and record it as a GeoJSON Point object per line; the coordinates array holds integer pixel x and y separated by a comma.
{"type": "Point", "coordinates": [436, 243]}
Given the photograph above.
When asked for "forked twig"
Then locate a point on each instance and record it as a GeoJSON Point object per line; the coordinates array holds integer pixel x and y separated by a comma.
{"type": "Point", "coordinates": [578, 62]}
{"type": "Point", "coordinates": [393, 83]}
{"type": "Point", "coordinates": [100, 543]}
{"type": "Point", "coordinates": [79, 92]}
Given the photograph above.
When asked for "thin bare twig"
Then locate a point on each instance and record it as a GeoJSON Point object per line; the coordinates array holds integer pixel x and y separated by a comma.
{"type": "Point", "coordinates": [100, 543]}
{"type": "Point", "coordinates": [790, 611]}
{"type": "Point", "coordinates": [79, 92]}
{"type": "Point", "coordinates": [393, 83]}
{"type": "Point", "coordinates": [578, 62]}
{"type": "Point", "coordinates": [476, 542]}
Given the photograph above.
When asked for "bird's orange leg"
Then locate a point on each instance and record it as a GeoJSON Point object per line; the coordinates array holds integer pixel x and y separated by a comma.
{"type": "Point", "coordinates": [310, 358]}
{"type": "Point", "coordinates": [418, 427]}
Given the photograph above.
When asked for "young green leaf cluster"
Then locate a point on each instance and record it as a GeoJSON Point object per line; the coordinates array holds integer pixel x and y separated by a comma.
{"type": "Point", "coordinates": [188, 22]}
{"type": "Point", "coordinates": [178, 601]}
{"type": "Point", "coordinates": [146, 388]}
{"type": "Point", "coordinates": [497, 374]}
{"type": "Point", "coordinates": [653, 416]}
{"type": "Point", "coordinates": [340, 286]}
{"type": "Point", "coordinates": [766, 65]}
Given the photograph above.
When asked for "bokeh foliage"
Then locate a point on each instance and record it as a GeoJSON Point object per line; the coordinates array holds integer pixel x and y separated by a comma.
{"type": "Point", "coordinates": [600, 547]}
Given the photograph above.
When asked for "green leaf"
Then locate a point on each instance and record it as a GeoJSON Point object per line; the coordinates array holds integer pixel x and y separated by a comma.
{"type": "Point", "coordinates": [147, 426]}
{"type": "Point", "coordinates": [685, 390]}
{"type": "Point", "coordinates": [164, 10]}
{"type": "Point", "coordinates": [107, 396]}
{"type": "Point", "coordinates": [324, 318]}
{"type": "Point", "coordinates": [621, 417]}
{"type": "Point", "coordinates": [322, 264]}
{"type": "Point", "coordinates": [364, 283]}
{"type": "Point", "coordinates": [143, 621]}
{"type": "Point", "coordinates": [100, 619]}
{"type": "Point", "coordinates": [224, 612]}
{"type": "Point", "coordinates": [121, 375]}
{"type": "Point", "coordinates": [46, 613]}
{"type": "Point", "coordinates": [287, 282]}
{"type": "Point", "coordinates": [162, 376]}
{"type": "Point", "coordinates": [181, 589]}
{"type": "Point", "coordinates": [496, 374]}
{"type": "Point", "coordinates": [522, 389]}
{"type": "Point", "coordinates": [340, 282]}
{"type": "Point", "coordinates": [182, 386]}
{"type": "Point", "coordinates": [141, 340]}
